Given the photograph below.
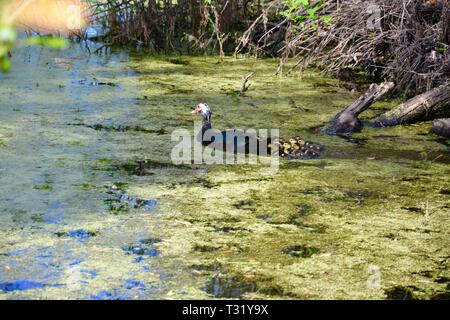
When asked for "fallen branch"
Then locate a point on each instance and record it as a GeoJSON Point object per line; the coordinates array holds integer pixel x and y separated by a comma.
{"type": "Point", "coordinates": [347, 120]}
{"type": "Point", "coordinates": [245, 84]}
{"type": "Point", "coordinates": [420, 108]}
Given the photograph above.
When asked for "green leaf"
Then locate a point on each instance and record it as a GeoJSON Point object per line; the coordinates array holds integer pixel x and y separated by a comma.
{"type": "Point", "coordinates": [327, 19]}
{"type": "Point", "coordinates": [5, 64]}
{"type": "Point", "coordinates": [312, 13]}
{"type": "Point", "coordinates": [56, 43]}
{"type": "Point", "coordinates": [51, 42]}
{"type": "Point", "coordinates": [33, 41]}
{"type": "Point", "coordinates": [3, 50]}
{"type": "Point", "coordinates": [7, 34]}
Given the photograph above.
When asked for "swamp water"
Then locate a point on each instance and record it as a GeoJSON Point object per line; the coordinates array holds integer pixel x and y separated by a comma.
{"type": "Point", "coordinates": [91, 206]}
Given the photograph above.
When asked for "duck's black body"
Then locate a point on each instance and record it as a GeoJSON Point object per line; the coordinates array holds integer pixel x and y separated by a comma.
{"type": "Point", "coordinates": [238, 141]}
{"type": "Point", "coordinates": [233, 140]}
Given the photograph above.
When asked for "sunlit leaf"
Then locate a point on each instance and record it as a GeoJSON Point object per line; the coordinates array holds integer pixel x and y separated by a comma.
{"type": "Point", "coordinates": [57, 43]}
{"type": "Point", "coordinates": [7, 34]}
{"type": "Point", "coordinates": [4, 64]}
{"type": "Point", "coordinates": [51, 42]}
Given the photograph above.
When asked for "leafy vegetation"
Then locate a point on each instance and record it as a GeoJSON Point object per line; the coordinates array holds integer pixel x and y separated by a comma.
{"type": "Point", "coordinates": [300, 11]}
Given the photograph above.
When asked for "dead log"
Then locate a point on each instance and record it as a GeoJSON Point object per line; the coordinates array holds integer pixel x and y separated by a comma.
{"type": "Point", "coordinates": [347, 120]}
{"type": "Point", "coordinates": [426, 106]}
{"type": "Point", "coordinates": [245, 85]}
{"type": "Point", "coordinates": [441, 127]}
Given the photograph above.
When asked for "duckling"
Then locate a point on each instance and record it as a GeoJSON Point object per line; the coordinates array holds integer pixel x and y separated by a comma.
{"type": "Point", "coordinates": [297, 148]}
{"type": "Point", "coordinates": [300, 141]}
{"type": "Point", "coordinates": [288, 148]}
{"type": "Point", "coordinates": [294, 144]}
{"type": "Point", "coordinates": [279, 142]}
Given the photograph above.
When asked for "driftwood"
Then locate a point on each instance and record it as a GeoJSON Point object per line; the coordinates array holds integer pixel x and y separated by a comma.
{"type": "Point", "coordinates": [347, 120]}
{"type": "Point", "coordinates": [245, 85]}
{"type": "Point", "coordinates": [423, 107]}
{"type": "Point", "coordinates": [441, 127]}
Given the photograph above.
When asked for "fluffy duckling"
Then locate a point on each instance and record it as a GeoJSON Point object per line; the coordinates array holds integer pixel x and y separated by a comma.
{"type": "Point", "coordinates": [300, 141]}
{"type": "Point", "coordinates": [294, 144]}
{"type": "Point", "coordinates": [297, 148]}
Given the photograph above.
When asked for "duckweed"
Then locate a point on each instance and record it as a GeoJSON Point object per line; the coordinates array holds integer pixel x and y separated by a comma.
{"type": "Point", "coordinates": [264, 232]}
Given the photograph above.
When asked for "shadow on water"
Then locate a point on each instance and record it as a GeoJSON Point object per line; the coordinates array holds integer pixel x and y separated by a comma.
{"type": "Point", "coordinates": [362, 148]}
{"type": "Point", "coordinates": [407, 293]}
{"type": "Point", "coordinates": [399, 293]}
{"type": "Point", "coordinates": [300, 251]}
{"type": "Point", "coordinates": [20, 285]}
{"type": "Point", "coordinates": [362, 153]}
{"type": "Point", "coordinates": [144, 247]}
{"type": "Point", "coordinates": [238, 287]}
{"type": "Point", "coordinates": [229, 287]}
{"type": "Point", "coordinates": [129, 289]}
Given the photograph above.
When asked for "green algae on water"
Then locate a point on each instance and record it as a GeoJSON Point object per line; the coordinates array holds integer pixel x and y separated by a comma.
{"type": "Point", "coordinates": [314, 230]}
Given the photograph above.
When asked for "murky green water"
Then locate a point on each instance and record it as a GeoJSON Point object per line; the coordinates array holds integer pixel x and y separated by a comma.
{"type": "Point", "coordinates": [74, 128]}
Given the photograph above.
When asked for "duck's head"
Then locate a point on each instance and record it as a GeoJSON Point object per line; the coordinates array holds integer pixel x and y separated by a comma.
{"type": "Point", "coordinates": [203, 110]}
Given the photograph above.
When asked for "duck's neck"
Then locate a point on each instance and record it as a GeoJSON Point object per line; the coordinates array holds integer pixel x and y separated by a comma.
{"type": "Point", "coordinates": [206, 123]}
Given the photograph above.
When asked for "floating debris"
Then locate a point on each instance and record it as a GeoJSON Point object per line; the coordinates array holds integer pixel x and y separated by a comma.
{"type": "Point", "coordinates": [304, 210]}
{"type": "Point", "coordinates": [399, 293]}
{"type": "Point", "coordinates": [120, 128]}
{"type": "Point", "coordinates": [136, 203]}
{"type": "Point", "coordinates": [79, 234]}
{"type": "Point", "coordinates": [229, 287]}
{"type": "Point", "coordinates": [43, 187]}
{"type": "Point", "coordinates": [106, 295]}
{"type": "Point", "coordinates": [122, 202]}
{"type": "Point", "coordinates": [94, 83]}
{"type": "Point", "coordinates": [204, 248]}
{"type": "Point", "coordinates": [143, 248]}
{"type": "Point", "coordinates": [133, 284]}
{"type": "Point", "coordinates": [228, 229]}
{"type": "Point", "coordinates": [414, 209]}
{"type": "Point", "coordinates": [91, 273]}
{"type": "Point", "coordinates": [441, 296]}
{"type": "Point", "coordinates": [179, 61]}
{"type": "Point", "coordinates": [215, 267]}
{"type": "Point", "coordinates": [300, 251]}
{"type": "Point", "coordinates": [62, 63]}
{"type": "Point", "coordinates": [20, 285]}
